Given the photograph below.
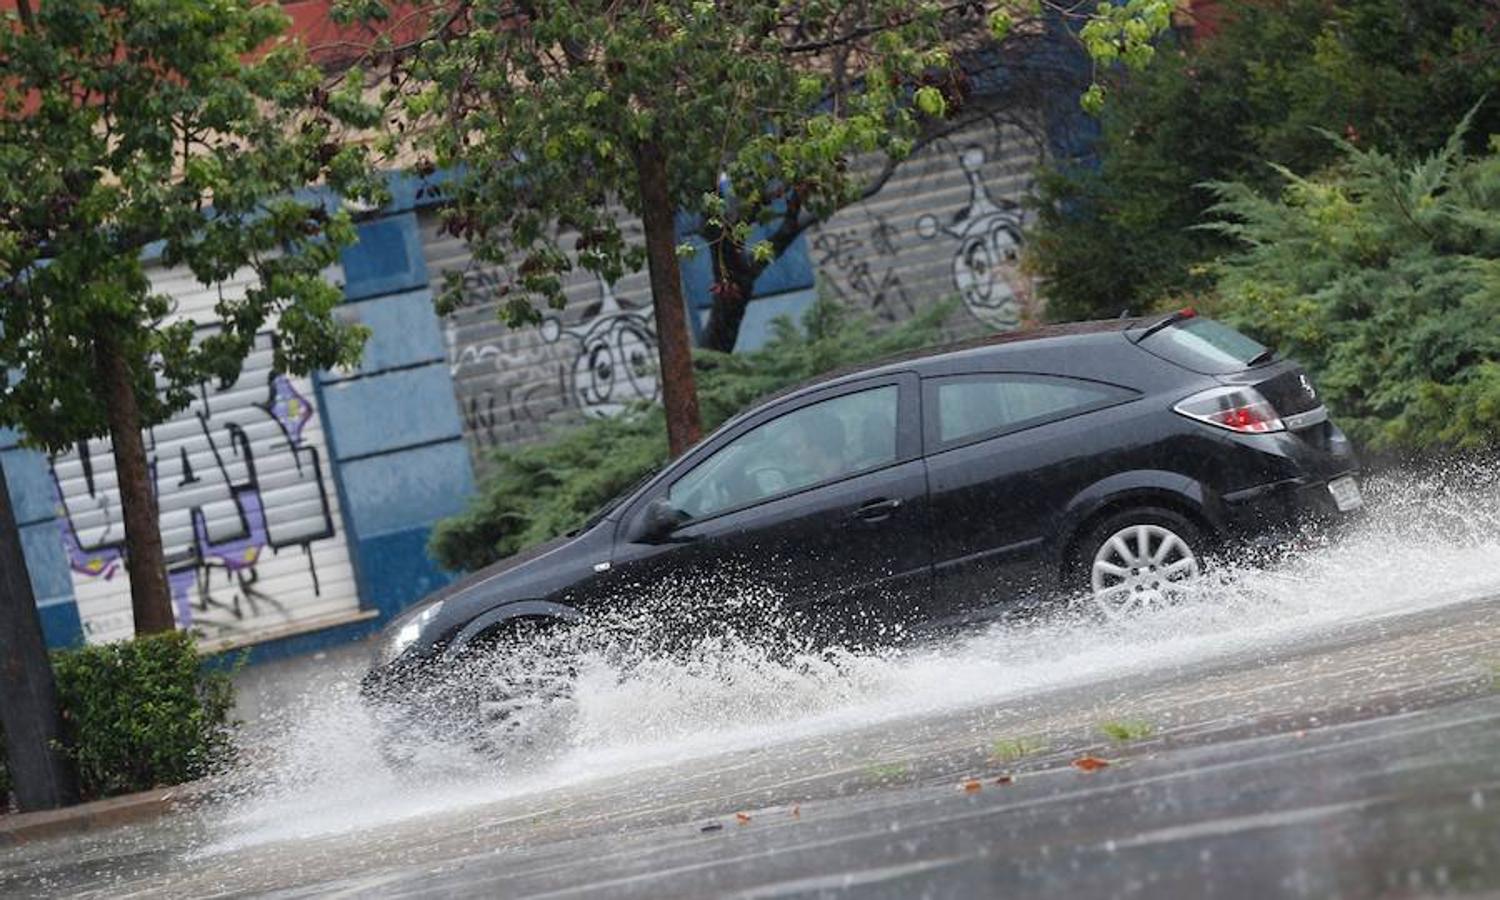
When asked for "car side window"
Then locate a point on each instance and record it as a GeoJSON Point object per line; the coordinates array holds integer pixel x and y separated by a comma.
{"type": "Point", "coordinates": [980, 404]}
{"type": "Point", "coordinates": [818, 443]}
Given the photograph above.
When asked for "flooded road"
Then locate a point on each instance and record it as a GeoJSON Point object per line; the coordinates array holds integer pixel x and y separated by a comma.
{"type": "Point", "coordinates": [1324, 726]}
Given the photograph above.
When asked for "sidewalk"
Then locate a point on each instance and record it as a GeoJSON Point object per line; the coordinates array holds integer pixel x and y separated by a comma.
{"type": "Point", "coordinates": [264, 693]}
{"type": "Point", "coordinates": [23, 828]}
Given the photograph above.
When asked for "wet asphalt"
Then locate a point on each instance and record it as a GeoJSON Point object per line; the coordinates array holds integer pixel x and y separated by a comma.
{"type": "Point", "coordinates": [1360, 761]}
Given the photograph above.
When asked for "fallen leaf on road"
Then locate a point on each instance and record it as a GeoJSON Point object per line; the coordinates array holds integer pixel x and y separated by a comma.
{"type": "Point", "coordinates": [1005, 779]}
{"type": "Point", "coordinates": [797, 811]}
{"type": "Point", "coordinates": [971, 785]}
{"type": "Point", "coordinates": [713, 826]}
{"type": "Point", "coordinates": [1090, 763]}
{"type": "Point", "coordinates": [744, 818]}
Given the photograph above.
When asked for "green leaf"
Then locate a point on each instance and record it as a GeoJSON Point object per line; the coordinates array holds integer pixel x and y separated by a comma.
{"type": "Point", "coordinates": [1001, 23]}
{"type": "Point", "coordinates": [930, 101]}
{"type": "Point", "coordinates": [1092, 100]}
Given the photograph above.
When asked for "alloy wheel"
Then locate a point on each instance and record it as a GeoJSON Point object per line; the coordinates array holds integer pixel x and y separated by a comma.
{"type": "Point", "coordinates": [1141, 566]}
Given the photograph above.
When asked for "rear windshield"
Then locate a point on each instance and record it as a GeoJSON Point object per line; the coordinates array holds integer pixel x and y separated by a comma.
{"type": "Point", "coordinates": [1204, 345]}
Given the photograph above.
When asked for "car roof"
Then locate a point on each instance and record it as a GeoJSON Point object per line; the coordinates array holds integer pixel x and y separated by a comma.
{"type": "Point", "coordinates": [929, 360]}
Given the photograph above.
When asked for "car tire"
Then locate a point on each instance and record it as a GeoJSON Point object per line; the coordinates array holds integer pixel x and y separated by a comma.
{"type": "Point", "coordinates": [524, 707]}
{"type": "Point", "coordinates": [1137, 559]}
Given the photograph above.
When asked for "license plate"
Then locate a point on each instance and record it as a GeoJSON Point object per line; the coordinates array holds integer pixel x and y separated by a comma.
{"type": "Point", "coordinates": [1345, 493]}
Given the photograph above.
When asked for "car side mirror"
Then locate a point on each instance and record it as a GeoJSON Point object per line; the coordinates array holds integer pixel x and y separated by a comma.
{"type": "Point", "coordinates": [662, 518]}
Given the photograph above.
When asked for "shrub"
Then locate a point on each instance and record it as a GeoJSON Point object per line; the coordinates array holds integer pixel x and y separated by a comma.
{"type": "Point", "coordinates": [535, 492]}
{"type": "Point", "coordinates": [1384, 278]}
{"type": "Point", "coordinates": [142, 713]}
{"type": "Point", "coordinates": [1386, 73]}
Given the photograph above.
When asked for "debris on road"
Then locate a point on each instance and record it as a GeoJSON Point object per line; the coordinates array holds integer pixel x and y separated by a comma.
{"type": "Point", "coordinates": [1090, 763]}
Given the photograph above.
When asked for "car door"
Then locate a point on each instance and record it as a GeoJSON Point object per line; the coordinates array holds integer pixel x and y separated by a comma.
{"type": "Point", "coordinates": [1006, 450]}
{"type": "Point", "coordinates": [817, 506]}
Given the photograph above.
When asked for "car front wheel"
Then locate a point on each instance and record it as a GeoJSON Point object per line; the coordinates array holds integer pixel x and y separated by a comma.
{"type": "Point", "coordinates": [524, 683]}
{"type": "Point", "coordinates": [1140, 559]}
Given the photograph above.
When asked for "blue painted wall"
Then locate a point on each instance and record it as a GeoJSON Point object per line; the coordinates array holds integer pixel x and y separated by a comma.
{"type": "Point", "coordinates": [393, 425]}
{"type": "Point", "coordinates": [32, 496]}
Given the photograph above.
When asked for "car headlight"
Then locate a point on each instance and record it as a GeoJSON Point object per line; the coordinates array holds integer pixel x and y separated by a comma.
{"type": "Point", "coordinates": [406, 633]}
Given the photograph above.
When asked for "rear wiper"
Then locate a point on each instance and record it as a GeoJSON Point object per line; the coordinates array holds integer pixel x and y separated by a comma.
{"type": "Point", "coordinates": [1186, 312]}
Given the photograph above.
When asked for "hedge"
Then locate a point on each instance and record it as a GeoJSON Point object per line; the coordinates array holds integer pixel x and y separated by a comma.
{"type": "Point", "coordinates": [139, 714]}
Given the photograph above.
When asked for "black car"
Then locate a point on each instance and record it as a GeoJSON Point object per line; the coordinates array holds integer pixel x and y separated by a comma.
{"type": "Point", "coordinates": [1099, 459]}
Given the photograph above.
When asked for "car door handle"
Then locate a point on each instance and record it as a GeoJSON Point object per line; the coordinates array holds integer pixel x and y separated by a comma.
{"type": "Point", "coordinates": [877, 510]}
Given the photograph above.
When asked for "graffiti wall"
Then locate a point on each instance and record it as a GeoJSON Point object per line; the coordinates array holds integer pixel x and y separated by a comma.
{"type": "Point", "coordinates": [593, 358]}
{"type": "Point", "coordinates": [249, 514]}
{"type": "Point", "coordinates": [948, 223]}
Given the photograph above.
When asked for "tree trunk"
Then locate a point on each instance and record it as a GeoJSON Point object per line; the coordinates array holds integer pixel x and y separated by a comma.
{"type": "Point", "coordinates": [29, 713]}
{"type": "Point", "coordinates": [736, 278]}
{"type": "Point", "coordinates": [674, 347]}
{"type": "Point", "coordinates": [150, 599]}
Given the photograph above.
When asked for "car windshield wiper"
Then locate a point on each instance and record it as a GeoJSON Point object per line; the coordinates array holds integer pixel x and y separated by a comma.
{"type": "Point", "coordinates": [1263, 356]}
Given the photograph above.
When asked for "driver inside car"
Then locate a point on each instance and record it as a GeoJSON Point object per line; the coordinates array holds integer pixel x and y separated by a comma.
{"type": "Point", "coordinates": [817, 449]}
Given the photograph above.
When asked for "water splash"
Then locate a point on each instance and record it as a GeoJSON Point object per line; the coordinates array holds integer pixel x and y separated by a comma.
{"type": "Point", "coordinates": [1429, 539]}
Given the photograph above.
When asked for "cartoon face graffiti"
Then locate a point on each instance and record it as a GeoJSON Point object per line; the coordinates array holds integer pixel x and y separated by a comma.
{"type": "Point", "coordinates": [616, 366]}
{"type": "Point", "coordinates": [616, 362]}
{"type": "Point", "coordinates": [986, 268]}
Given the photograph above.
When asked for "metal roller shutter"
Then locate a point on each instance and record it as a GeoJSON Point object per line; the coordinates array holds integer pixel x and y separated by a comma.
{"type": "Point", "coordinates": [249, 516]}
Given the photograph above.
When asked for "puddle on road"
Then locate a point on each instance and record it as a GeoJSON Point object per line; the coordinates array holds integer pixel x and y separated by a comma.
{"type": "Point", "coordinates": [1428, 541]}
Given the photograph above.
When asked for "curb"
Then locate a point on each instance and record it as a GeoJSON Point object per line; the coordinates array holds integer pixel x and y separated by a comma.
{"type": "Point", "coordinates": [24, 828]}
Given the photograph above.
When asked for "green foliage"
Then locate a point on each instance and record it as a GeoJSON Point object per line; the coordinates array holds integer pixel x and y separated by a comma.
{"type": "Point", "coordinates": [1384, 278]}
{"type": "Point", "coordinates": [1376, 71]}
{"type": "Point", "coordinates": [1123, 731]}
{"type": "Point", "coordinates": [1014, 749]}
{"type": "Point", "coordinates": [188, 122]}
{"type": "Point", "coordinates": [759, 108]}
{"type": "Point", "coordinates": [891, 771]}
{"type": "Point", "coordinates": [142, 713]}
{"type": "Point", "coordinates": [535, 492]}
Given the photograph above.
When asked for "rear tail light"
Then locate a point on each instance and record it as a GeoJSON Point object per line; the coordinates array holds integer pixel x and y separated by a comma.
{"type": "Point", "coordinates": [1240, 409]}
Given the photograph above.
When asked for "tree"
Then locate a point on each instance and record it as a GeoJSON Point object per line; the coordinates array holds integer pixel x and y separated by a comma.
{"type": "Point", "coordinates": [565, 115]}
{"type": "Point", "coordinates": [1384, 278]}
{"type": "Point", "coordinates": [186, 123]}
{"type": "Point", "coordinates": [1382, 73]}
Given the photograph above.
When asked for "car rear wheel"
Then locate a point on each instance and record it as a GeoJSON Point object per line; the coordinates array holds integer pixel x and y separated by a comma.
{"type": "Point", "coordinates": [1140, 559]}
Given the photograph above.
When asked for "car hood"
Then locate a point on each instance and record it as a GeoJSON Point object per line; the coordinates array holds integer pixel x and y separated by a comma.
{"type": "Point", "coordinates": [487, 576]}
{"type": "Point", "coordinates": [534, 573]}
